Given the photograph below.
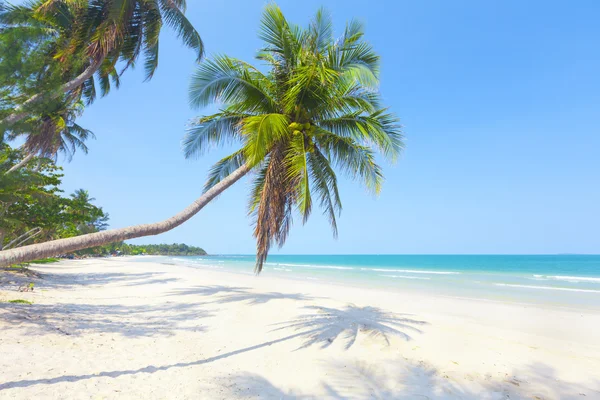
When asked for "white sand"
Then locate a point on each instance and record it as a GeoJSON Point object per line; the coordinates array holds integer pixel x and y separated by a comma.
{"type": "Point", "coordinates": [120, 329]}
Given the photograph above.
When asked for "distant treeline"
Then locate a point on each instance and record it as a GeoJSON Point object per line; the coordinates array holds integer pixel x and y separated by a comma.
{"type": "Point", "coordinates": [175, 249]}
{"type": "Point", "coordinates": [125, 249]}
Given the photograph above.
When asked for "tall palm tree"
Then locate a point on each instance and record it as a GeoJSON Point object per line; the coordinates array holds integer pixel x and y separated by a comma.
{"type": "Point", "coordinates": [92, 36]}
{"type": "Point", "coordinates": [316, 109]}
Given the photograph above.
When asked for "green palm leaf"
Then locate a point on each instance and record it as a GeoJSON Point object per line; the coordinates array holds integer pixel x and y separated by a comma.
{"type": "Point", "coordinates": [213, 130]}
{"type": "Point", "coordinates": [224, 167]}
{"type": "Point", "coordinates": [173, 16]}
{"type": "Point", "coordinates": [354, 159]}
{"type": "Point", "coordinates": [230, 81]}
{"type": "Point", "coordinates": [261, 133]}
{"type": "Point", "coordinates": [325, 185]}
{"type": "Point", "coordinates": [298, 177]}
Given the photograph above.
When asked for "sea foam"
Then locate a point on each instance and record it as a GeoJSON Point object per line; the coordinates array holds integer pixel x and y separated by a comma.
{"type": "Point", "coordinates": [406, 277]}
{"type": "Point", "coordinates": [572, 279]}
{"type": "Point", "coordinates": [309, 266]}
{"type": "Point", "coordinates": [411, 271]}
{"type": "Point", "coordinates": [548, 288]}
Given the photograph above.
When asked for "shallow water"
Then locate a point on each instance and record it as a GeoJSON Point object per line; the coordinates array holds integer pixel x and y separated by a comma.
{"type": "Point", "coordinates": [555, 280]}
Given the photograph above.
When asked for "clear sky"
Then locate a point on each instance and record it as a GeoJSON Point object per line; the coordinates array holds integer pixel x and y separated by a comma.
{"type": "Point", "coordinates": [500, 103]}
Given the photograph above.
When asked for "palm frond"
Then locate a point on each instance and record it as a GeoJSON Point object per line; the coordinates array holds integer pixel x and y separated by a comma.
{"type": "Point", "coordinates": [261, 133]}
{"type": "Point", "coordinates": [321, 30]}
{"type": "Point", "coordinates": [275, 30]}
{"type": "Point", "coordinates": [213, 130]}
{"type": "Point", "coordinates": [151, 60]}
{"type": "Point", "coordinates": [306, 87]}
{"type": "Point", "coordinates": [379, 128]}
{"type": "Point", "coordinates": [174, 17]}
{"type": "Point", "coordinates": [347, 97]}
{"type": "Point", "coordinates": [298, 176]}
{"type": "Point", "coordinates": [352, 158]}
{"type": "Point", "coordinates": [224, 168]}
{"type": "Point", "coordinates": [273, 212]}
{"type": "Point", "coordinates": [227, 80]}
{"type": "Point", "coordinates": [151, 30]}
{"type": "Point", "coordinates": [354, 32]}
{"type": "Point", "coordinates": [325, 185]}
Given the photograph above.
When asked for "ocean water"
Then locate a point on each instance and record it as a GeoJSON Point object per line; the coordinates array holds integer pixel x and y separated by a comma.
{"type": "Point", "coordinates": [552, 280]}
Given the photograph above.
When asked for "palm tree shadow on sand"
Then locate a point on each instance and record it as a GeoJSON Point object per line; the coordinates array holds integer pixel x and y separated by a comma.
{"type": "Point", "coordinates": [409, 380]}
{"type": "Point", "coordinates": [325, 325]}
{"type": "Point", "coordinates": [209, 290]}
{"type": "Point", "coordinates": [232, 294]}
{"type": "Point", "coordinates": [252, 298]}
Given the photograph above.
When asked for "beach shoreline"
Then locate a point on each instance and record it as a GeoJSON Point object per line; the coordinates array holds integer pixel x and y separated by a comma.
{"type": "Point", "coordinates": [127, 328]}
{"type": "Point", "coordinates": [570, 282]}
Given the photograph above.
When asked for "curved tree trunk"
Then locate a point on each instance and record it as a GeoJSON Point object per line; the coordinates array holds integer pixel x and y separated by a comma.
{"type": "Point", "coordinates": [61, 246]}
{"type": "Point", "coordinates": [19, 112]}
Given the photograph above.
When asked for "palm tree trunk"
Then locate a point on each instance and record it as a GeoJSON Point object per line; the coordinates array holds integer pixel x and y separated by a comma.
{"type": "Point", "coordinates": [61, 246]}
{"type": "Point", "coordinates": [20, 165]}
{"type": "Point", "coordinates": [19, 112]}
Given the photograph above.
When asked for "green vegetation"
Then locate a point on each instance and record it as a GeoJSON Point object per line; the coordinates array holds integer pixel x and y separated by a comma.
{"type": "Point", "coordinates": [175, 249]}
{"type": "Point", "coordinates": [57, 54]}
{"type": "Point", "coordinates": [45, 261]}
{"type": "Point", "coordinates": [316, 108]}
{"type": "Point", "coordinates": [20, 301]}
{"type": "Point", "coordinates": [32, 208]}
{"type": "Point", "coordinates": [125, 249]}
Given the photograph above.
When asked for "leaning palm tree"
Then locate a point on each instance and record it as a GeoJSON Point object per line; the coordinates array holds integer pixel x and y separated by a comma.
{"type": "Point", "coordinates": [90, 37]}
{"type": "Point", "coordinates": [315, 110]}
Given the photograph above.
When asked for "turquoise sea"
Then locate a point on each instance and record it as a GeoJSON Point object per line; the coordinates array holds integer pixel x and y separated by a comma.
{"type": "Point", "coordinates": [554, 280]}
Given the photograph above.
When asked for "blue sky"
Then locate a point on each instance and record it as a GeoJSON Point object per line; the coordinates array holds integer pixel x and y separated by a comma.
{"type": "Point", "coordinates": [500, 103]}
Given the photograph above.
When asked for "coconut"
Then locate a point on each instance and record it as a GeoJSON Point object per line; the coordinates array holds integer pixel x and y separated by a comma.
{"type": "Point", "coordinates": [297, 132]}
{"type": "Point", "coordinates": [307, 125]}
{"type": "Point", "coordinates": [295, 126]}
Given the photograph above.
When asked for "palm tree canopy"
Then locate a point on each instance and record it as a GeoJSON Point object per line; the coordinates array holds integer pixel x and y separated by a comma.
{"type": "Point", "coordinates": [54, 131]}
{"type": "Point", "coordinates": [82, 195]}
{"type": "Point", "coordinates": [75, 34]}
{"type": "Point", "coordinates": [315, 110]}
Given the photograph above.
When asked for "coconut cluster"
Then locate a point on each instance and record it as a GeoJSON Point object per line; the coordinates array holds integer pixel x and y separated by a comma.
{"type": "Point", "coordinates": [298, 128]}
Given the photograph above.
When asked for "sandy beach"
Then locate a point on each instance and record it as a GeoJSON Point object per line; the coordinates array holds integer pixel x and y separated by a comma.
{"type": "Point", "coordinates": [119, 328]}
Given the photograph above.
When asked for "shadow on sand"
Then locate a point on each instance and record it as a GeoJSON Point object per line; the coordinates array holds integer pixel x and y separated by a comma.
{"type": "Point", "coordinates": [207, 290]}
{"type": "Point", "coordinates": [323, 326]}
{"type": "Point", "coordinates": [409, 380]}
{"type": "Point", "coordinates": [76, 280]}
{"type": "Point", "coordinates": [230, 294]}
{"type": "Point", "coordinates": [77, 319]}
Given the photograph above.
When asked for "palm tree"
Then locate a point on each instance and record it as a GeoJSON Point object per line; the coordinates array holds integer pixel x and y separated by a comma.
{"type": "Point", "coordinates": [55, 131]}
{"type": "Point", "coordinates": [317, 108]}
{"type": "Point", "coordinates": [90, 37]}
